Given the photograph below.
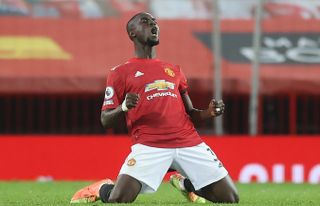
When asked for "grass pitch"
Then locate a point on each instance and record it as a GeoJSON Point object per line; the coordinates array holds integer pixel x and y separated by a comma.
{"type": "Point", "coordinates": [59, 194]}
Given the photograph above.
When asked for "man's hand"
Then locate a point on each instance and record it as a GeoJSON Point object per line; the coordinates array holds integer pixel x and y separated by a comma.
{"type": "Point", "coordinates": [216, 108]}
{"type": "Point", "coordinates": [130, 101]}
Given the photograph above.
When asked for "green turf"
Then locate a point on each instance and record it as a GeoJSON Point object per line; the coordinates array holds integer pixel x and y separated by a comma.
{"type": "Point", "coordinates": [59, 194]}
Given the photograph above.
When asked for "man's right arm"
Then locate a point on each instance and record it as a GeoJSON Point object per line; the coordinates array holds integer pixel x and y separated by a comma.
{"type": "Point", "coordinates": [110, 116]}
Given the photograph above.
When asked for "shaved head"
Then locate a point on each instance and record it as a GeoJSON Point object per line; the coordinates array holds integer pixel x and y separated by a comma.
{"type": "Point", "coordinates": [130, 23]}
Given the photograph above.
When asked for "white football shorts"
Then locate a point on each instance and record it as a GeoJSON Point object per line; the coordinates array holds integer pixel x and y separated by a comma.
{"type": "Point", "coordinates": [150, 164]}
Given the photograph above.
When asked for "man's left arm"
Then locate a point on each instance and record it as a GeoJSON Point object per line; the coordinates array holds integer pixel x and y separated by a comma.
{"type": "Point", "coordinates": [215, 108]}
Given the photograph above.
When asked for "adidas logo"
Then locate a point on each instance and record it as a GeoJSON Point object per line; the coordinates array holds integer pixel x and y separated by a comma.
{"type": "Point", "coordinates": [138, 74]}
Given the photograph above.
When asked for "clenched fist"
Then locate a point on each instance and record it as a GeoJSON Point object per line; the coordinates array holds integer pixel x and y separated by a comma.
{"type": "Point", "coordinates": [131, 100]}
{"type": "Point", "coordinates": [216, 108]}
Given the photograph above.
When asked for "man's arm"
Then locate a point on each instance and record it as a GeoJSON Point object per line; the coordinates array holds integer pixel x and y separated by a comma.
{"type": "Point", "coordinates": [214, 109]}
{"type": "Point", "coordinates": [110, 116]}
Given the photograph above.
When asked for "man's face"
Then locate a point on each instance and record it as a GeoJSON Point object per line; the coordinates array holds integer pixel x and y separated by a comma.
{"type": "Point", "coordinates": [146, 29]}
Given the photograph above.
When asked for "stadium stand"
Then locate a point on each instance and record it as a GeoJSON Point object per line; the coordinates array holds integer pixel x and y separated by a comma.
{"type": "Point", "coordinates": [57, 61]}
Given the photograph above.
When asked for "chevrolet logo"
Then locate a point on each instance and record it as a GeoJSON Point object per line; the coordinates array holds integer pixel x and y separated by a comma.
{"type": "Point", "coordinates": [159, 85]}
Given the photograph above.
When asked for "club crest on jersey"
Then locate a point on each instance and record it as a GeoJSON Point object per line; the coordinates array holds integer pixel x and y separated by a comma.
{"type": "Point", "coordinates": [159, 85]}
{"type": "Point", "coordinates": [109, 93]}
{"type": "Point", "coordinates": [131, 162]}
{"type": "Point", "coordinates": [169, 72]}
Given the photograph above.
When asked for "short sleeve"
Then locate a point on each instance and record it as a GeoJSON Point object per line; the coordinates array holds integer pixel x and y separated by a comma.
{"type": "Point", "coordinates": [183, 85]}
{"type": "Point", "coordinates": [114, 92]}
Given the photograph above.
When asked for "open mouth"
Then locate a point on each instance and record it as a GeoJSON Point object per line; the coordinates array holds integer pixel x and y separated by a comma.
{"type": "Point", "coordinates": [154, 31]}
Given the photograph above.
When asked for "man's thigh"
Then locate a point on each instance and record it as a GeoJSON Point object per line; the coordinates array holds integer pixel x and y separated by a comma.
{"type": "Point", "coordinates": [148, 165]}
{"type": "Point", "coordinates": [200, 164]}
{"type": "Point", "coordinates": [125, 190]}
{"type": "Point", "coordinates": [222, 191]}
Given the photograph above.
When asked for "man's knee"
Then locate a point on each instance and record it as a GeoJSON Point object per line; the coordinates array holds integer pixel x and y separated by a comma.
{"type": "Point", "coordinates": [125, 190]}
{"type": "Point", "coordinates": [229, 197]}
{"type": "Point", "coordinates": [120, 197]}
{"type": "Point", "coordinates": [233, 198]}
{"type": "Point", "coordinates": [223, 191]}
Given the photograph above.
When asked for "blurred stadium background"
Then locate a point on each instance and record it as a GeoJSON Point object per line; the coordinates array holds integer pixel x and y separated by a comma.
{"type": "Point", "coordinates": [55, 55]}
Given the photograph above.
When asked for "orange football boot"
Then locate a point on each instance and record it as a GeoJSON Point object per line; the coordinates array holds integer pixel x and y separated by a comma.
{"type": "Point", "coordinates": [89, 193]}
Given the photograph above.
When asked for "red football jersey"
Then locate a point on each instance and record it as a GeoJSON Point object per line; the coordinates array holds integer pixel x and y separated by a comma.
{"type": "Point", "coordinates": [160, 119]}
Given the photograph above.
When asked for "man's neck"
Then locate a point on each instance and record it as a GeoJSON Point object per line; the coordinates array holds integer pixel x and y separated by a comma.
{"type": "Point", "coordinates": [145, 52]}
